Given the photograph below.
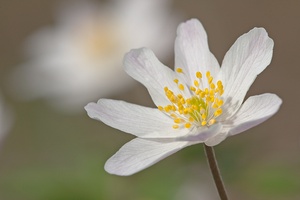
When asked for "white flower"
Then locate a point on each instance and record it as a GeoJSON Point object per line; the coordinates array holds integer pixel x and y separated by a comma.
{"type": "Point", "coordinates": [80, 58]}
{"type": "Point", "coordinates": [199, 102]}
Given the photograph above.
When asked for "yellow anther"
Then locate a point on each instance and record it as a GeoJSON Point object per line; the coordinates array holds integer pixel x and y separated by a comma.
{"type": "Point", "coordinates": [187, 125]}
{"type": "Point", "coordinates": [173, 108]}
{"type": "Point", "coordinates": [208, 74]}
{"type": "Point", "coordinates": [220, 102]}
{"type": "Point", "coordinates": [179, 70]}
{"type": "Point", "coordinates": [169, 95]}
{"type": "Point", "coordinates": [180, 107]}
{"type": "Point", "coordinates": [182, 101]}
{"type": "Point", "coordinates": [192, 88]}
{"type": "Point", "coordinates": [221, 92]}
{"type": "Point", "coordinates": [215, 105]}
{"type": "Point", "coordinates": [186, 111]}
{"type": "Point", "coordinates": [196, 83]}
{"type": "Point", "coordinates": [181, 87]}
{"type": "Point", "coordinates": [167, 109]}
{"type": "Point", "coordinates": [218, 112]}
{"type": "Point", "coordinates": [220, 85]}
{"type": "Point", "coordinates": [203, 123]}
{"type": "Point", "coordinates": [212, 86]}
{"type": "Point", "coordinates": [202, 95]}
{"type": "Point", "coordinates": [166, 89]}
{"type": "Point", "coordinates": [175, 126]}
{"type": "Point", "coordinates": [160, 108]}
{"type": "Point", "coordinates": [177, 120]}
{"type": "Point", "coordinates": [169, 92]}
{"type": "Point", "coordinates": [198, 91]}
{"type": "Point", "coordinates": [203, 116]}
{"type": "Point", "coordinates": [209, 99]}
{"type": "Point", "coordinates": [206, 91]}
{"type": "Point", "coordinates": [176, 80]}
{"type": "Point", "coordinates": [194, 107]}
{"type": "Point", "coordinates": [173, 115]}
{"type": "Point", "coordinates": [210, 79]}
{"type": "Point", "coordinates": [179, 96]}
{"type": "Point", "coordinates": [172, 98]}
{"type": "Point", "coordinates": [198, 75]}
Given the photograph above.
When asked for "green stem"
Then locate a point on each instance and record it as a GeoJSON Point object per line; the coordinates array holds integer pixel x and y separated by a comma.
{"type": "Point", "coordinates": [213, 165]}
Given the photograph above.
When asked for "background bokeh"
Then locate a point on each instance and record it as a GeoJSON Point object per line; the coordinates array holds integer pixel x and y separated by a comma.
{"type": "Point", "coordinates": [53, 155]}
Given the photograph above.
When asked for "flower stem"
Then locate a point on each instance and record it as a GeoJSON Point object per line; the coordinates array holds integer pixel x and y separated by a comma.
{"type": "Point", "coordinates": [213, 165]}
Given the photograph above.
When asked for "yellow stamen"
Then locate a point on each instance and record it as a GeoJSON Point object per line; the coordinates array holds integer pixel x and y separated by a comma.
{"type": "Point", "coordinates": [201, 108]}
{"type": "Point", "coordinates": [177, 120]}
{"type": "Point", "coordinates": [192, 88]}
{"type": "Point", "coordinates": [220, 102]}
{"type": "Point", "coordinates": [175, 126]}
{"type": "Point", "coordinates": [218, 112]}
{"type": "Point", "coordinates": [198, 75]}
{"type": "Point", "coordinates": [167, 109]}
{"type": "Point", "coordinates": [187, 125]}
{"type": "Point", "coordinates": [202, 95]}
{"type": "Point", "coordinates": [179, 70]}
{"type": "Point", "coordinates": [173, 115]}
{"type": "Point", "coordinates": [208, 74]}
{"type": "Point", "coordinates": [181, 87]}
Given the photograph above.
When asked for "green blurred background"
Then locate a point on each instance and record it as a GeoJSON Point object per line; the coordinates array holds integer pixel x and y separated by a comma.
{"type": "Point", "coordinates": [49, 155]}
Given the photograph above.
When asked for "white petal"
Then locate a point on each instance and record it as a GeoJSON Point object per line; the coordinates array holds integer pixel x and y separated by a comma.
{"type": "Point", "coordinates": [217, 139]}
{"type": "Point", "coordinates": [139, 154]}
{"type": "Point", "coordinates": [254, 111]}
{"type": "Point", "coordinates": [134, 119]}
{"type": "Point", "coordinates": [192, 52]}
{"type": "Point", "coordinates": [202, 134]}
{"type": "Point", "coordinates": [142, 65]}
{"type": "Point", "coordinates": [248, 57]}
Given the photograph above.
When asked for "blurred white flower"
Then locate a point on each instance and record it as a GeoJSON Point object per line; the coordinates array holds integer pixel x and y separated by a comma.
{"type": "Point", "coordinates": [79, 59]}
{"type": "Point", "coordinates": [5, 119]}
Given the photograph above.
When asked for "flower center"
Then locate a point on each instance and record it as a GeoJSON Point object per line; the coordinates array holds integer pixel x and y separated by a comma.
{"type": "Point", "coordinates": [201, 109]}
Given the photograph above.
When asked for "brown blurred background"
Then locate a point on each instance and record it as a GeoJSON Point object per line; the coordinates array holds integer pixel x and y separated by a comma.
{"type": "Point", "coordinates": [49, 155]}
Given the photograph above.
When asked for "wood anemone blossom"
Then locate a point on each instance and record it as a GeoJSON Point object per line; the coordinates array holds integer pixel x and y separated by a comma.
{"type": "Point", "coordinates": [198, 102]}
